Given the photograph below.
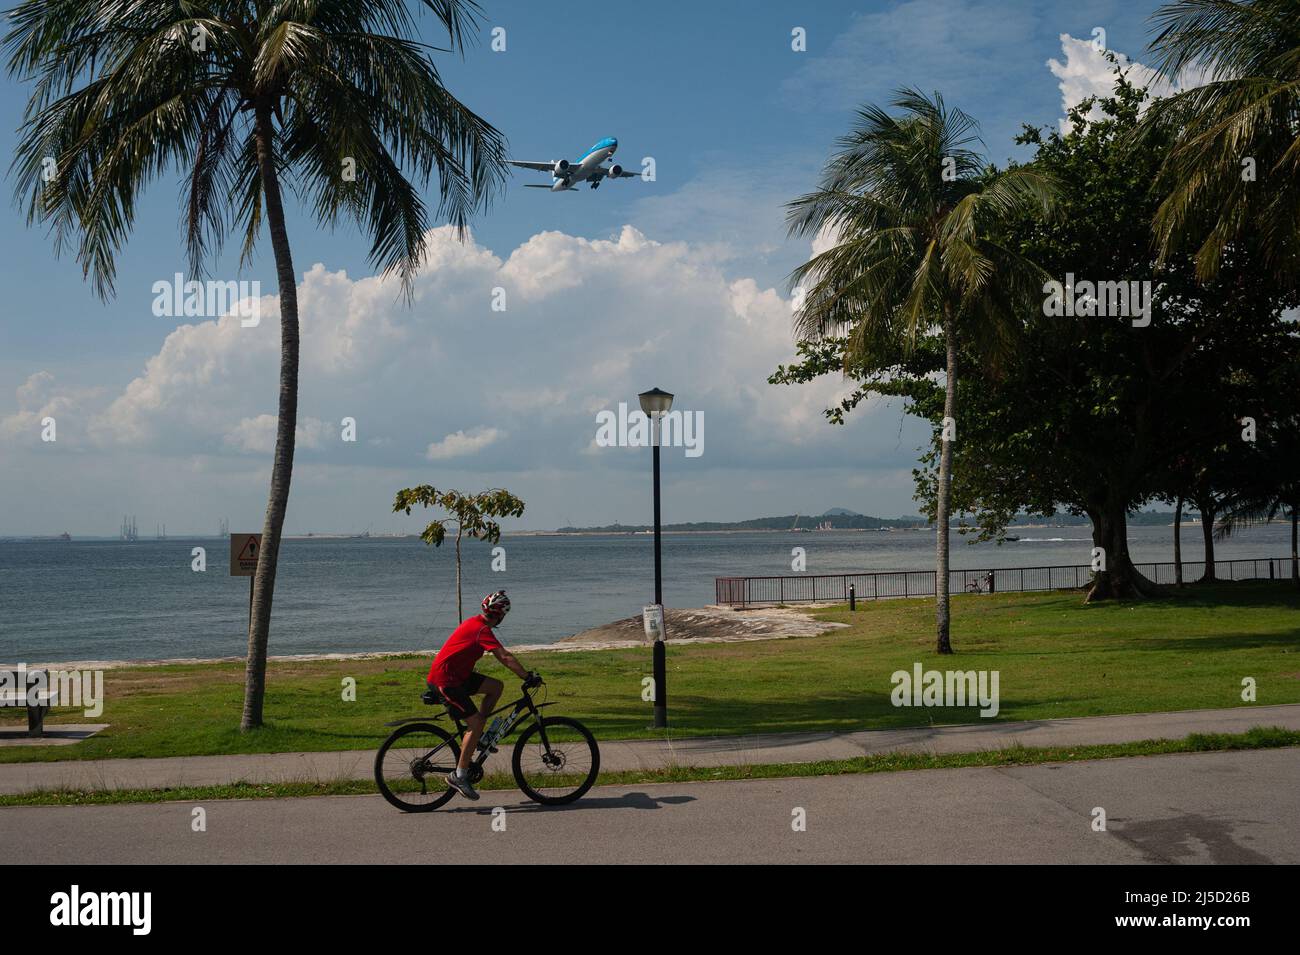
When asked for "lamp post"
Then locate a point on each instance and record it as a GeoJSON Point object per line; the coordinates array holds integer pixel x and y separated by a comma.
{"type": "Point", "coordinates": [655, 404]}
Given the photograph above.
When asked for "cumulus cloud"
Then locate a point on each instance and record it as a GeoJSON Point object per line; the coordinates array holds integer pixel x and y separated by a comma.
{"type": "Point", "coordinates": [1088, 71]}
{"type": "Point", "coordinates": [257, 434]}
{"type": "Point", "coordinates": [587, 323]}
{"type": "Point", "coordinates": [449, 388]}
{"type": "Point", "coordinates": [461, 445]}
{"type": "Point", "coordinates": [40, 397]}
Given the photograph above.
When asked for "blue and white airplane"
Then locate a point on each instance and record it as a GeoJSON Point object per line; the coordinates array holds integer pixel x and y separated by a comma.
{"type": "Point", "coordinates": [565, 175]}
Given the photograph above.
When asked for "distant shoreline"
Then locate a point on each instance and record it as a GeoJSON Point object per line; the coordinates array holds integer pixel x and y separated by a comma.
{"type": "Point", "coordinates": [38, 539]}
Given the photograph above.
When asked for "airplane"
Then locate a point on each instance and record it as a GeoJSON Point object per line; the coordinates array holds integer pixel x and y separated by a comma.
{"type": "Point", "coordinates": [566, 175]}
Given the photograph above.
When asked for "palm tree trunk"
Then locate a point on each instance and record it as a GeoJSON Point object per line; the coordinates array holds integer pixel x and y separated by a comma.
{"type": "Point", "coordinates": [460, 610]}
{"type": "Point", "coordinates": [282, 464]}
{"type": "Point", "coordinates": [944, 497]}
{"type": "Point", "coordinates": [1178, 543]}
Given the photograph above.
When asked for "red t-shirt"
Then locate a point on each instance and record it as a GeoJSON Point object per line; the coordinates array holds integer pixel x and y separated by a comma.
{"type": "Point", "coordinates": [455, 661]}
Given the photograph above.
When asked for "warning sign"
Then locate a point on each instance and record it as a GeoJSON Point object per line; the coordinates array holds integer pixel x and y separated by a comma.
{"type": "Point", "coordinates": [244, 549]}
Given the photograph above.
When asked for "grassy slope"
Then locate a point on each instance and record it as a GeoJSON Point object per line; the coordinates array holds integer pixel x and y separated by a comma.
{"type": "Point", "coordinates": [1056, 658]}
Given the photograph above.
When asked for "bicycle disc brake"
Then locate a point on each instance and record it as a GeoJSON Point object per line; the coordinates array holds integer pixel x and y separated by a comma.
{"type": "Point", "coordinates": [554, 760]}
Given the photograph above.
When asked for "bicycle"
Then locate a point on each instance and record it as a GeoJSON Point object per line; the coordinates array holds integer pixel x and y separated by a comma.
{"type": "Point", "coordinates": [555, 759]}
{"type": "Point", "coordinates": [981, 585]}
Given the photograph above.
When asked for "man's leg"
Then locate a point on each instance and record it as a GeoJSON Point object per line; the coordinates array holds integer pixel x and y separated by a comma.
{"type": "Point", "coordinates": [491, 689]}
{"type": "Point", "coordinates": [475, 724]}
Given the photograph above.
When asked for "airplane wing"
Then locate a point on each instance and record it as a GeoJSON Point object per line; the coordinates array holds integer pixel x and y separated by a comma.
{"type": "Point", "coordinates": [539, 166]}
{"type": "Point", "coordinates": [602, 172]}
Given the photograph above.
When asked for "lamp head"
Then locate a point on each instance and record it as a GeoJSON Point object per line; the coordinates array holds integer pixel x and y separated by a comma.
{"type": "Point", "coordinates": [655, 403]}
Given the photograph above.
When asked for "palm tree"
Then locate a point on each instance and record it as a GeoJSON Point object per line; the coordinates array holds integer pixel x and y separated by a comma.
{"type": "Point", "coordinates": [1235, 163]}
{"type": "Point", "coordinates": [1263, 508]}
{"type": "Point", "coordinates": [914, 212]}
{"type": "Point", "coordinates": [333, 98]}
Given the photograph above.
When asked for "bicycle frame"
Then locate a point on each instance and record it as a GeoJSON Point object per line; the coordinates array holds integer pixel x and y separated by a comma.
{"type": "Point", "coordinates": [525, 702]}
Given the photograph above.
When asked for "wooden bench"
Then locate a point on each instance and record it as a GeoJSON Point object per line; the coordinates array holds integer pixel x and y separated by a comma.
{"type": "Point", "coordinates": [37, 700]}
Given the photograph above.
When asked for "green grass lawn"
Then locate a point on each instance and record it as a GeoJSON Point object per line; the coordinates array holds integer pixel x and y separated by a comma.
{"type": "Point", "coordinates": [1056, 658]}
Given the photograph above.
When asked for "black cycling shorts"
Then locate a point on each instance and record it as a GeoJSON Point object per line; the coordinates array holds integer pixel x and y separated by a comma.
{"type": "Point", "coordinates": [458, 697]}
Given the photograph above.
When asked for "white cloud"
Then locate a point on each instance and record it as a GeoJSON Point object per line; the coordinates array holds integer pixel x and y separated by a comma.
{"type": "Point", "coordinates": [38, 398]}
{"type": "Point", "coordinates": [1088, 71]}
{"type": "Point", "coordinates": [258, 434]}
{"type": "Point", "coordinates": [589, 324]}
{"type": "Point", "coordinates": [461, 445]}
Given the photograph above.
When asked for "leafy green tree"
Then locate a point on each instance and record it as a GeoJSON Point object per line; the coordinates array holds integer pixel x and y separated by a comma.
{"type": "Point", "coordinates": [1101, 414]}
{"type": "Point", "coordinates": [914, 213]}
{"type": "Point", "coordinates": [472, 514]}
{"type": "Point", "coordinates": [335, 99]}
{"type": "Point", "coordinates": [1272, 490]}
{"type": "Point", "coordinates": [1234, 167]}
{"type": "Point", "coordinates": [1091, 414]}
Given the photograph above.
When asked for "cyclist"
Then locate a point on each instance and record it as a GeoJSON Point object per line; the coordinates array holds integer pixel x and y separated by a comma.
{"type": "Point", "coordinates": [453, 675]}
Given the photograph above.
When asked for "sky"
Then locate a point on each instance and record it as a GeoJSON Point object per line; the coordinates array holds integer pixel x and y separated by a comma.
{"type": "Point", "coordinates": [558, 308]}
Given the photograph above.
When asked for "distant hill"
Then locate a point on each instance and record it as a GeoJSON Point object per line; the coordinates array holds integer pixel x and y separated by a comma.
{"type": "Point", "coordinates": [784, 523]}
{"type": "Point", "coordinates": [841, 518]}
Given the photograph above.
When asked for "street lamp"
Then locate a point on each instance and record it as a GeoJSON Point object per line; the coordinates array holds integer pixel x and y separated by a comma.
{"type": "Point", "coordinates": [655, 404]}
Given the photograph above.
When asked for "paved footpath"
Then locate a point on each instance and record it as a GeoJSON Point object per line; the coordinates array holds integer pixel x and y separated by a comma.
{"type": "Point", "coordinates": [1232, 807]}
{"type": "Point", "coordinates": [651, 754]}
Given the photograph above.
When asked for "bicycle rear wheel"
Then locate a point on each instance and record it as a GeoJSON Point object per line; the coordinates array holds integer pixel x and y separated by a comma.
{"type": "Point", "coordinates": [412, 764]}
{"type": "Point", "coordinates": [556, 761]}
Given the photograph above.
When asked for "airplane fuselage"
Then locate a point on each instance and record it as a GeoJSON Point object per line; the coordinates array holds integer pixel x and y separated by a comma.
{"type": "Point", "coordinates": [581, 170]}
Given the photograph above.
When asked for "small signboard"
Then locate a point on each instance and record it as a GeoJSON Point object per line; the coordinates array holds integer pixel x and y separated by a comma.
{"type": "Point", "coordinates": [653, 617]}
{"type": "Point", "coordinates": [244, 549]}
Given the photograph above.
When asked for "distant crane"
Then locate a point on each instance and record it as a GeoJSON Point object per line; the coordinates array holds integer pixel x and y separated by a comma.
{"type": "Point", "coordinates": [795, 525]}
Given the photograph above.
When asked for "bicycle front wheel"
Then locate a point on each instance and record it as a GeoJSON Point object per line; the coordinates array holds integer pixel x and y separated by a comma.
{"type": "Point", "coordinates": [556, 761]}
{"type": "Point", "coordinates": [411, 767]}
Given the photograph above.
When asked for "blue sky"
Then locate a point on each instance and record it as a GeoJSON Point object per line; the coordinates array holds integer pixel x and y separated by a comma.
{"type": "Point", "coordinates": [678, 283]}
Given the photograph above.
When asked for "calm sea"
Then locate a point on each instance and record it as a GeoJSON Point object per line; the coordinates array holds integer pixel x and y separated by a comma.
{"type": "Point", "coordinates": [114, 600]}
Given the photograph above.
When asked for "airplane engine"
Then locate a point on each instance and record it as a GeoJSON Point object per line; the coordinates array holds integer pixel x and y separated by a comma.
{"type": "Point", "coordinates": [615, 171]}
{"type": "Point", "coordinates": [561, 168]}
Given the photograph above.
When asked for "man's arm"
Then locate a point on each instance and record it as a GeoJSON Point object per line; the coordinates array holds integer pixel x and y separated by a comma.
{"type": "Point", "coordinates": [510, 662]}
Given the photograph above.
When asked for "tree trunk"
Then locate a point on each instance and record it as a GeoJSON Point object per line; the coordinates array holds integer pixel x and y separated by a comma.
{"type": "Point", "coordinates": [1295, 553]}
{"type": "Point", "coordinates": [1178, 543]}
{"type": "Point", "coordinates": [942, 607]}
{"type": "Point", "coordinates": [282, 464]}
{"type": "Point", "coordinates": [1208, 513]}
{"type": "Point", "coordinates": [1120, 579]}
{"type": "Point", "coordinates": [460, 610]}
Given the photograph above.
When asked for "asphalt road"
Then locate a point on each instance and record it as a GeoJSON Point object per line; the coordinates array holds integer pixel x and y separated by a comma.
{"type": "Point", "coordinates": [1193, 808]}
